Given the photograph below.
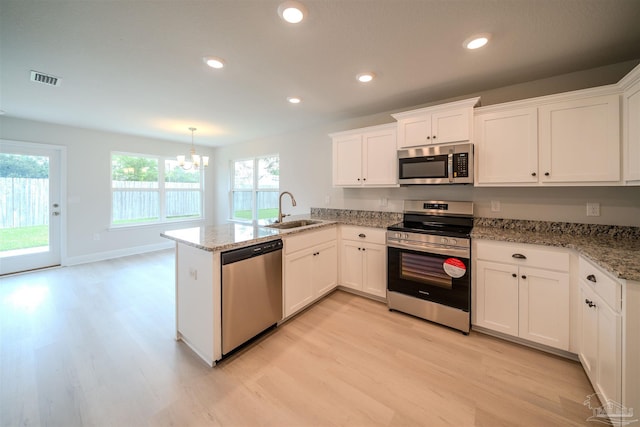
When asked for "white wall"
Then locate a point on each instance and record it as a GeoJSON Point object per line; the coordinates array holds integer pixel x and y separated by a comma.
{"type": "Point", "coordinates": [305, 167]}
{"type": "Point", "coordinates": [88, 187]}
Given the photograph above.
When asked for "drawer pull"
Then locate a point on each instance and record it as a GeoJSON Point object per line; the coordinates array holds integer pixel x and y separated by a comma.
{"type": "Point", "coordinates": [591, 278]}
{"type": "Point", "coordinates": [518, 256]}
{"type": "Point", "coordinates": [362, 235]}
{"type": "Point", "coordinates": [524, 277]}
{"type": "Point", "coordinates": [589, 303]}
{"type": "Point", "coordinates": [514, 275]}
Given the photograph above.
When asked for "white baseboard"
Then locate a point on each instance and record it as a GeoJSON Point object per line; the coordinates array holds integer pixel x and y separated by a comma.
{"type": "Point", "coordinates": [102, 256]}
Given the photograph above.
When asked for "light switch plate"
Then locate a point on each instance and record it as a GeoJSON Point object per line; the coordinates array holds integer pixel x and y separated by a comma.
{"type": "Point", "coordinates": [593, 209]}
{"type": "Point", "coordinates": [495, 206]}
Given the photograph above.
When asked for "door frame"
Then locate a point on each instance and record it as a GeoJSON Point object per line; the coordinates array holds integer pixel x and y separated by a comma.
{"type": "Point", "coordinates": [61, 152]}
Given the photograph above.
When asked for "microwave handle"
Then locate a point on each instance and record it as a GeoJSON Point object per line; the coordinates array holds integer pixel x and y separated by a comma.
{"type": "Point", "coordinates": [450, 166]}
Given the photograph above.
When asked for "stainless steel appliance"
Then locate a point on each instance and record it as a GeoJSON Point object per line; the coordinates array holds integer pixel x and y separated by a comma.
{"type": "Point", "coordinates": [429, 262]}
{"type": "Point", "coordinates": [436, 164]}
{"type": "Point", "coordinates": [251, 292]}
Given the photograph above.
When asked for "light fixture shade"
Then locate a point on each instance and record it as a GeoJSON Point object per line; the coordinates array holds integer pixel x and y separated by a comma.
{"type": "Point", "coordinates": [292, 11]}
{"type": "Point", "coordinates": [195, 159]}
{"type": "Point", "coordinates": [180, 160]}
{"type": "Point", "coordinates": [205, 161]}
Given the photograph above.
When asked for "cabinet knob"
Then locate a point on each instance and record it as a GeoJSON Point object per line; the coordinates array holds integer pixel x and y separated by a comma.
{"type": "Point", "coordinates": [428, 137]}
{"type": "Point", "coordinates": [524, 276]}
{"type": "Point", "coordinates": [434, 137]}
{"type": "Point", "coordinates": [533, 174]}
{"type": "Point", "coordinates": [362, 235]}
{"type": "Point", "coordinates": [591, 278]}
{"type": "Point", "coordinates": [547, 174]}
{"type": "Point", "coordinates": [518, 256]}
{"type": "Point", "coordinates": [514, 275]}
{"type": "Point", "coordinates": [364, 179]}
{"type": "Point", "coordinates": [358, 179]}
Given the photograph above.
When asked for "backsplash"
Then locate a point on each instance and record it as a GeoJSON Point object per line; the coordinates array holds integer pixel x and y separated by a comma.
{"type": "Point", "coordinates": [337, 214]}
{"type": "Point", "coordinates": [616, 231]}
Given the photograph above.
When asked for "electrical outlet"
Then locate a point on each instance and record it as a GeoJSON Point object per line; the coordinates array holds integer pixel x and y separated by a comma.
{"type": "Point", "coordinates": [593, 209]}
{"type": "Point", "coordinates": [383, 201]}
{"type": "Point", "coordinates": [327, 200]}
{"type": "Point", "coordinates": [495, 206]}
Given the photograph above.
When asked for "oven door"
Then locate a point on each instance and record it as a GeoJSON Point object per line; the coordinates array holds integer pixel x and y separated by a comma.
{"type": "Point", "coordinates": [443, 279]}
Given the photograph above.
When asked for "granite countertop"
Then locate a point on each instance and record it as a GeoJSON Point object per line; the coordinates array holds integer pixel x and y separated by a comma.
{"type": "Point", "coordinates": [235, 235]}
{"type": "Point", "coordinates": [615, 249]}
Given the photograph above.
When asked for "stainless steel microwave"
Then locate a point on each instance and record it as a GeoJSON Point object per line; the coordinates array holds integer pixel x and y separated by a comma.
{"type": "Point", "coordinates": [436, 164]}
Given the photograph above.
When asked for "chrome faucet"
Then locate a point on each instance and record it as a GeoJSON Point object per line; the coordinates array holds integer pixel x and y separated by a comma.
{"type": "Point", "coordinates": [293, 203]}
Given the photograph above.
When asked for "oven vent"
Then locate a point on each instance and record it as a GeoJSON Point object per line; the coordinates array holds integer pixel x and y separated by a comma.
{"type": "Point", "coordinates": [45, 79]}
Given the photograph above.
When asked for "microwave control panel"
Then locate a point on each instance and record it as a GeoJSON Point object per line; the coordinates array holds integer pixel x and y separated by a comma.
{"type": "Point", "coordinates": [461, 165]}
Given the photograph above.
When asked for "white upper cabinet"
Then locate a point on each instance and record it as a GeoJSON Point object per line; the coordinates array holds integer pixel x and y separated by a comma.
{"type": "Point", "coordinates": [580, 140]}
{"type": "Point", "coordinates": [365, 157]}
{"type": "Point", "coordinates": [451, 122]}
{"type": "Point", "coordinates": [507, 146]}
{"type": "Point", "coordinates": [631, 127]}
{"type": "Point", "coordinates": [567, 139]}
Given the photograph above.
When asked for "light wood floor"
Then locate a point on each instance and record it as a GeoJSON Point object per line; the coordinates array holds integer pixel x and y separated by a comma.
{"type": "Point", "coordinates": [93, 345]}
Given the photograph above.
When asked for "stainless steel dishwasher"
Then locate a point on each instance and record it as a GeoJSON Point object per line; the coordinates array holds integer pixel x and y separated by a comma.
{"type": "Point", "coordinates": [251, 292]}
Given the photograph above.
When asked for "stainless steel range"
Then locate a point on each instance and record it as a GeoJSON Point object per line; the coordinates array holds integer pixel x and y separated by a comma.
{"type": "Point", "coordinates": [429, 256]}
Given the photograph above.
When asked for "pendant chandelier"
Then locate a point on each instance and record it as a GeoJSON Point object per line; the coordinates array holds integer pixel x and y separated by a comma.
{"type": "Point", "coordinates": [195, 158]}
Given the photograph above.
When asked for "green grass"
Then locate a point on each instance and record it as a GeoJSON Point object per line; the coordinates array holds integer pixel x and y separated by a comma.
{"type": "Point", "coordinates": [24, 237]}
{"type": "Point", "coordinates": [262, 214]}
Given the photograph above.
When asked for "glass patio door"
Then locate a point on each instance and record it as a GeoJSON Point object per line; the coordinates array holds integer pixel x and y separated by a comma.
{"type": "Point", "coordinates": [30, 211]}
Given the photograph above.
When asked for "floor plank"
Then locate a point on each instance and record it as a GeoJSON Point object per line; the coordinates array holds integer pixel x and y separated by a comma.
{"type": "Point", "coordinates": [93, 345]}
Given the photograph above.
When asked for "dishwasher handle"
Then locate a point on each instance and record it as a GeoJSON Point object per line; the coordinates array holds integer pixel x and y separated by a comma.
{"type": "Point", "coordinates": [247, 252]}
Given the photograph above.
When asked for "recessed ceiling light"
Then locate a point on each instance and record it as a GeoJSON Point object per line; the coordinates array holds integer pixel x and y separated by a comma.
{"type": "Point", "coordinates": [294, 99]}
{"type": "Point", "coordinates": [476, 42]}
{"type": "Point", "coordinates": [213, 61]}
{"type": "Point", "coordinates": [365, 77]}
{"type": "Point", "coordinates": [292, 11]}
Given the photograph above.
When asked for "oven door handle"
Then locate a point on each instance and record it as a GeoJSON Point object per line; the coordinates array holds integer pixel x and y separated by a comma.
{"type": "Point", "coordinates": [426, 248]}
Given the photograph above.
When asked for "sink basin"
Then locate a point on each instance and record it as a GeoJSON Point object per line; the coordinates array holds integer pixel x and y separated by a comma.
{"type": "Point", "coordinates": [293, 224]}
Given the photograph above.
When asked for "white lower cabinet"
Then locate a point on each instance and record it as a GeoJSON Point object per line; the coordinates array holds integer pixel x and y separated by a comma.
{"type": "Point", "coordinates": [600, 331]}
{"type": "Point", "coordinates": [310, 268]}
{"type": "Point", "coordinates": [363, 260]}
{"type": "Point", "coordinates": [523, 291]}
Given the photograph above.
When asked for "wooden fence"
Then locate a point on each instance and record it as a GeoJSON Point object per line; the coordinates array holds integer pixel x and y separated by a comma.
{"type": "Point", "coordinates": [24, 202]}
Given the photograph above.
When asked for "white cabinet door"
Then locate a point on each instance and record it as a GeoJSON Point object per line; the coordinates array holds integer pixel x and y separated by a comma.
{"type": "Point", "coordinates": [579, 140]}
{"type": "Point", "coordinates": [351, 265]}
{"type": "Point", "coordinates": [298, 291]}
{"type": "Point", "coordinates": [609, 352]}
{"type": "Point", "coordinates": [375, 270]}
{"type": "Point", "coordinates": [544, 307]}
{"type": "Point", "coordinates": [506, 146]}
{"type": "Point", "coordinates": [325, 269]}
{"type": "Point", "coordinates": [347, 160]}
{"type": "Point", "coordinates": [588, 333]}
{"type": "Point", "coordinates": [414, 131]}
{"type": "Point", "coordinates": [497, 297]}
{"type": "Point", "coordinates": [631, 123]}
{"type": "Point", "coordinates": [380, 163]}
{"type": "Point", "coordinates": [451, 125]}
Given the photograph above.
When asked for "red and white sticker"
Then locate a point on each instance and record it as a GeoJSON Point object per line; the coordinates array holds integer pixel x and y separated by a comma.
{"type": "Point", "coordinates": [454, 267]}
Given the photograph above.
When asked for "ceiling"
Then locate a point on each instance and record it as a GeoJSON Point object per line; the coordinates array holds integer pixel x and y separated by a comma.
{"type": "Point", "coordinates": [136, 67]}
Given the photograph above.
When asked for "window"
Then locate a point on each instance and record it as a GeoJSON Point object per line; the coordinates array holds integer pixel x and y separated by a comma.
{"type": "Point", "coordinates": [148, 189]}
{"type": "Point", "coordinates": [255, 184]}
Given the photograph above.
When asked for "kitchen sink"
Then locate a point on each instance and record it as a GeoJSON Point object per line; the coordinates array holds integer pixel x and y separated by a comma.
{"type": "Point", "coordinates": [293, 224]}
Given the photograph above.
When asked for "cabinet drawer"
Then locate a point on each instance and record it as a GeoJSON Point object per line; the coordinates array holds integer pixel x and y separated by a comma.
{"type": "Point", "coordinates": [309, 238]}
{"type": "Point", "coordinates": [548, 258]}
{"type": "Point", "coordinates": [363, 234]}
{"type": "Point", "coordinates": [602, 283]}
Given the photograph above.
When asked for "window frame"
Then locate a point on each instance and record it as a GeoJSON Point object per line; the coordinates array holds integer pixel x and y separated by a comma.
{"type": "Point", "coordinates": [254, 190]}
{"type": "Point", "coordinates": [161, 190]}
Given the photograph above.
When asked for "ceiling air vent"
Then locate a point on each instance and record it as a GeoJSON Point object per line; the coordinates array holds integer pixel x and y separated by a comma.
{"type": "Point", "coordinates": [45, 79]}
